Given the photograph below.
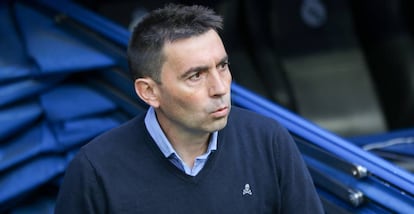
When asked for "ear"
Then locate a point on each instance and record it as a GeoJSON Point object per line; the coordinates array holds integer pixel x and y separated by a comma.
{"type": "Point", "coordinates": [147, 90]}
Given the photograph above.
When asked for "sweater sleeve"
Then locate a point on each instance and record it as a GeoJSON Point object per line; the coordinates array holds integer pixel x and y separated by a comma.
{"type": "Point", "coordinates": [297, 188]}
{"type": "Point", "coordinates": [81, 191]}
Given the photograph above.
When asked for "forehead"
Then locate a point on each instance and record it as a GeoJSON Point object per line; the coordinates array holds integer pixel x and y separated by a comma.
{"type": "Point", "coordinates": [199, 50]}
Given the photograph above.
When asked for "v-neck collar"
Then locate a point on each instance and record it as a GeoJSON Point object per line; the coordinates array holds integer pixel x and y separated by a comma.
{"type": "Point", "coordinates": [209, 165]}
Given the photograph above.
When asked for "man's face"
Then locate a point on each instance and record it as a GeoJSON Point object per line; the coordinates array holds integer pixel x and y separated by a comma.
{"type": "Point", "coordinates": [194, 94]}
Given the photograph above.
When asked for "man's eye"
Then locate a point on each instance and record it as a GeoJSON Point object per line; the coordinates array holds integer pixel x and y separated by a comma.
{"type": "Point", "coordinates": [223, 65]}
{"type": "Point", "coordinates": [195, 76]}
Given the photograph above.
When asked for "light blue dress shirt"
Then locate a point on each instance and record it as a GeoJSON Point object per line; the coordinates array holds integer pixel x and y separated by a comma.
{"type": "Point", "coordinates": [169, 152]}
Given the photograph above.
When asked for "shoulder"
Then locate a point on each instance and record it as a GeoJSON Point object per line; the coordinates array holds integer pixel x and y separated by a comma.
{"type": "Point", "coordinates": [248, 125]}
{"type": "Point", "coordinates": [243, 114]}
{"type": "Point", "coordinates": [117, 139]}
{"type": "Point", "coordinates": [124, 131]}
{"type": "Point", "coordinates": [240, 117]}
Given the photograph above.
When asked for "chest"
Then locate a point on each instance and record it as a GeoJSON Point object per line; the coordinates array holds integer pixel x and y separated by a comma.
{"type": "Point", "coordinates": [221, 188]}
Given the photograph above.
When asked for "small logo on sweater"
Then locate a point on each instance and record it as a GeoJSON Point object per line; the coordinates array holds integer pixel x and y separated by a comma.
{"type": "Point", "coordinates": [247, 190]}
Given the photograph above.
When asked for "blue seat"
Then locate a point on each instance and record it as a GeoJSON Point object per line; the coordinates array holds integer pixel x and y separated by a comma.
{"type": "Point", "coordinates": [14, 61]}
{"type": "Point", "coordinates": [18, 117]}
{"type": "Point", "coordinates": [62, 102]}
{"type": "Point", "coordinates": [26, 178]}
{"type": "Point", "coordinates": [52, 48]}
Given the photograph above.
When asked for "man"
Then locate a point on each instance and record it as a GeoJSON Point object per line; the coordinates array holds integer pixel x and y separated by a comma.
{"type": "Point", "coordinates": [191, 152]}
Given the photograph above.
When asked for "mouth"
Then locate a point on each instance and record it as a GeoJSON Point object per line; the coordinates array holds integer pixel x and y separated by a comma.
{"type": "Point", "coordinates": [221, 112]}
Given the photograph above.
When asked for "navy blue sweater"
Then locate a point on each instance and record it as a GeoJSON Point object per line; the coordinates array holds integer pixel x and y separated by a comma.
{"type": "Point", "coordinates": [256, 169]}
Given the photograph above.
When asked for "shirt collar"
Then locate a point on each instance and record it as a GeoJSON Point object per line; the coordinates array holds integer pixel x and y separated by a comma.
{"type": "Point", "coordinates": [161, 140]}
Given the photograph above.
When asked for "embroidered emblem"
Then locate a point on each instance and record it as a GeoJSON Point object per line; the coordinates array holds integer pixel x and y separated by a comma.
{"type": "Point", "coordinates": [247, 190]}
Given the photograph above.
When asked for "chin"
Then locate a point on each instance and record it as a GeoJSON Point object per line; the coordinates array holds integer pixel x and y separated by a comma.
{"type": "Point", "coordinates": [218, 125]}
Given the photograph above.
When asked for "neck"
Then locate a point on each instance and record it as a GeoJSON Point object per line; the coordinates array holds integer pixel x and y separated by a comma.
{"type": "Point", "coordinates": [189, 149]}
{"type": "Point", "coordinates": [188, 146]}
{"type": "Point", "coordinates": [188, 143]}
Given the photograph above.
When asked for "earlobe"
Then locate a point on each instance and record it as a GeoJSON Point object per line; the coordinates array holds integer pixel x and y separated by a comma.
{"type": "Point", "coordinates": [146, 89]}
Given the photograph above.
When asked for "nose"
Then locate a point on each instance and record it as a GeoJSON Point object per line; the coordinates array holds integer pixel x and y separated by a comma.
{"type": "Point", "coordinates": [219, 83]}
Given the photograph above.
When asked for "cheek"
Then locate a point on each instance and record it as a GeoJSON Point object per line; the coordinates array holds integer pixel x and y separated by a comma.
{"type": "Point", "coordinates": [191, 101]}
{"type": "Point", "coordinates": [180, 100]}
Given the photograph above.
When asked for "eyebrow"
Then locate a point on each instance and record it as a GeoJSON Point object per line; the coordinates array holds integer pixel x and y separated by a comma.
{"type": "Point", "coordinates": [201, 68]}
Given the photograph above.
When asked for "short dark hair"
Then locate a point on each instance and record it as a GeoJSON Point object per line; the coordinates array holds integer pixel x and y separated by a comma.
{"type": "Point", "coordinates": [168, 24]}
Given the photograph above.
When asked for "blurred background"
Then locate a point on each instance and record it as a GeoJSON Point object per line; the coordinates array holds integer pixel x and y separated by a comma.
{"type": "Point", "coordinates": [345, 65]}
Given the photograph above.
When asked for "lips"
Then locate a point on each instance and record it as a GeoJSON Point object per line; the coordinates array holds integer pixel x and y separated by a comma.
{"type": "Point", "coordinates": [220, 112]}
